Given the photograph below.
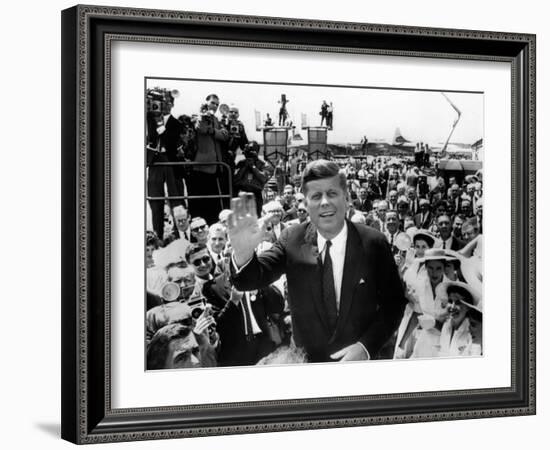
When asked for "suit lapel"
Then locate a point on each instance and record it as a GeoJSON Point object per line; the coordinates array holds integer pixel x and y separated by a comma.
{"type": "Point", "coordinates": [310, 252]}
{"type": "Point", "coordinates": [352, 270]}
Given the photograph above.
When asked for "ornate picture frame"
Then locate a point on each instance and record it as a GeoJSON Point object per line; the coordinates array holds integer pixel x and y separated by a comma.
{"type": "Point", "coordinates": [88, 33]}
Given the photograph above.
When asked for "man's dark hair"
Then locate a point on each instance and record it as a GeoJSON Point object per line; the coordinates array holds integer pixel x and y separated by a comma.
{"type": "Point", "coordinates": [212, 96]}
{"type": "Point", "coordinates": [252, 146]}
{"type": "Point", "coordinates": [321, 169]}
{"type": "Point", "coordinates": [157, 351]}
{"type": "Point", "coordinates": [441, 203]}
{"type": "Point", "coordinates": [192, 249]}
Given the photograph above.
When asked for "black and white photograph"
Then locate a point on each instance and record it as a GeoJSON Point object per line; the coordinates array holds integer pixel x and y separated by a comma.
{"type": "Point", "coordinates": [297, 224]}
{"type": "Point", "coordinates": [279, 219]}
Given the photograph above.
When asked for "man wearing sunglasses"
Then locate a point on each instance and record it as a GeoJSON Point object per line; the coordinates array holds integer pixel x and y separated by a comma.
{"type": "Point", "coordinates": [199, 230]}
{"type": "Point", "coordinates": [303, 215]}
{"type": "Point", "coordinates": [200, 260]}
{"type": "Point", "coordinates": [212, 285]}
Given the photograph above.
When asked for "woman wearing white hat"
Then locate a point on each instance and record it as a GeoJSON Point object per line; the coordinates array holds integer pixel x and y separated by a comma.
{"type": "Point", "coordinates": [461, 333]}
{"type": "Point", "coordinates": [414, 277]}
{"type": "Point", "coordinates": [431, 315]}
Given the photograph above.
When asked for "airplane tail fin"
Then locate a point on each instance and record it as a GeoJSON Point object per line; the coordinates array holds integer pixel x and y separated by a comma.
{"type": "Point", "coordinates": [398, 138]}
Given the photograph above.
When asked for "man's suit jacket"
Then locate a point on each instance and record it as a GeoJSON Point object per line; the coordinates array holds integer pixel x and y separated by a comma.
{"type": "Point", "coordinates": [290, 213]}
{"type": "Point", "coordinates": [455, 202]}
{"type": "Point", "coordinates": [457, 244]}
{"type": "Point", "coordinates": [231, 328]}
{"type": "Point", "coordinates": [414, 207]}
{"type": "Point", "coordinates": [423, 224]}
{"type": "Point", "coordinates": [372, 299]}
{"type": "Point", "coordinates": [362, 205]}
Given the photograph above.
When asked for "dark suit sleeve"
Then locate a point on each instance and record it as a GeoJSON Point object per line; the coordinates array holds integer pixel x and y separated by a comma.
{"type": "Point", "coordinates": [264, 269]}
{"type": "Point", "coordinates": [391, 301]}
{"type": "Point", "coordinates": [273, 300]}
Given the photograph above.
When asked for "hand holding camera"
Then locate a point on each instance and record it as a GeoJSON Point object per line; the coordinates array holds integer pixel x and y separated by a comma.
{"type": "Point", "coordinates": [204, 321]}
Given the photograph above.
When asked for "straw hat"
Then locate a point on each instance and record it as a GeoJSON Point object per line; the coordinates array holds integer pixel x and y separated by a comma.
{"type": "Point", "coordinates": [442, 292]}
{"type": "Point", "coordinates": [424, 235]}
{"type": "Point", "coordinates": [436, 254]}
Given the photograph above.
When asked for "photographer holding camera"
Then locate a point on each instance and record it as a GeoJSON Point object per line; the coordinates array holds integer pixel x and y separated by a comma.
{"type": "Point", "coordinates": [237, 140]}
{"type": "Point", "coordinates": [237, 135]}
{"type": "Point", "coordinates": [250, 175]}
{"type": "Point", "coordinates": [163, 140]}
{"type": "Point", "coordinates": [205, 180]}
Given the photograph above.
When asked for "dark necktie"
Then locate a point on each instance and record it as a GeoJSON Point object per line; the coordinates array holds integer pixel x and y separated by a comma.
{"type": "Point", "coordinates": [329, 293]}
{"type": "Point", "coordinates": [247, 320]}
{"type": "Point", "coordinates": [444, 245]}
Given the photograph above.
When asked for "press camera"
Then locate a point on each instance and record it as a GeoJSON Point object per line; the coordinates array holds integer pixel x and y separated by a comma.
{"type": "Point", "coordinates": [197, 303]}
{"type": "Point", "coordinates": [160, 100]}
{"type": "Point", "coordinates": [172, 292]}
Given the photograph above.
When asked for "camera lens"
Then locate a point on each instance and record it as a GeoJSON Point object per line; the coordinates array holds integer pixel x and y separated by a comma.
{"type": "Point", "coordinates": [196, 313]}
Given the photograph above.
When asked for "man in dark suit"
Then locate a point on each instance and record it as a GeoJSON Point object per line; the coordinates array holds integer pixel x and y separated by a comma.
{"type": "Point", "coordinates": [244, 329]}
{"type": "Point", "coordinates": [344, 292]}
{"type": "Point", "coordinates": [288, 202]}
{"type": "Point", "coordinates": [275, 211]}
{"type": "Point", "coordinates": [161, 143]}
{"type": "Point", "coordinates": [414, 204]}
{"type": "Point", "coordinates": [448, 240]}
{"type": "Point", "coordinates": [424, 218]}
{"type": "Point", "coordinates": [362, 203]}
{"type": "Point", "coordinates": [453, 197]}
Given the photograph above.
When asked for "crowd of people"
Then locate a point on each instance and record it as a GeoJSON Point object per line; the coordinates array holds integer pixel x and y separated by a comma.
{"type": "Point", "coordinates": [225, 287]}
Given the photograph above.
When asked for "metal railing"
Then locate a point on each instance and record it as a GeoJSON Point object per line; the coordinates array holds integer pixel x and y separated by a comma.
{"type": "Point", "coordinates": [193, 197]}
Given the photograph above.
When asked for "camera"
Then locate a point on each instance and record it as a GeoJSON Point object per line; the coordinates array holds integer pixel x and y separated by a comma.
{"type": "Point", "coordinates": [197, 304]}
{"type": "Point", "coordinates": [206, 119]}
{"type": "Point", "coordinates": [234, 128]}
{"type": "Point", "coordinates": [251, 150]}
{"type": "Point", "coordinates": [160, 101]}
{"type": "Point", "coordinates": [170, 292]}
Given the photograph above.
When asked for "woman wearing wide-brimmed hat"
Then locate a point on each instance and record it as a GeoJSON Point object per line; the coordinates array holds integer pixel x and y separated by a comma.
{"type": "Point", "coordinates": [419, 242]}
{"type": "Point", "coordinates": [425, 324]}
{"type": "Point", "coordinates": [420, 288]}
{"type": "Point", "coordinates": [461, 332]}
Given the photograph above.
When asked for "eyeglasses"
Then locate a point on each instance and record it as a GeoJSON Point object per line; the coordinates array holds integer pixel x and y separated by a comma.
{"type": "Point", "coordinates": [199, 228]}
{"type": "Point", "coordinates": [302, 210]}
{"type": "Point", "coordinates": [204, 260]}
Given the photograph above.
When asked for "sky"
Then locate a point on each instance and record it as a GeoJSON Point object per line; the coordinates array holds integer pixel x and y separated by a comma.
{"type": "Point", "coordinates": [358, 111]}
